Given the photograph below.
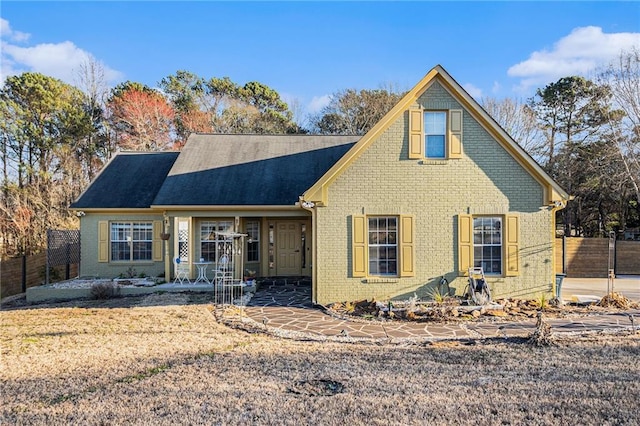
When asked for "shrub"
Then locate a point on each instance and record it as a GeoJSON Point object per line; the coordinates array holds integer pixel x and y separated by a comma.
{"type": "Point", "coordinates": [101, 291]}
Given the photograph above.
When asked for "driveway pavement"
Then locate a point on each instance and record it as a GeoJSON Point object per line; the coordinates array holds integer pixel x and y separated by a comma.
{"type": "Point", "coordinates": [286, 310]}
{"type": "Point", "coordinates": [627, 285]}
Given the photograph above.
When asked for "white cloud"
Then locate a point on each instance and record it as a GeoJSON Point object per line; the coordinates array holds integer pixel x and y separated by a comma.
{"type": "Point", "coordinates": [58, 60]}
{"type": "Point", "coordinates": [7, 32]}
{"type": "Point", "coordinates": [475, 92]}
{"type": "Point", "coordinates": [579, 53]}
{"type": "Point", "coordinates": [317, 103]}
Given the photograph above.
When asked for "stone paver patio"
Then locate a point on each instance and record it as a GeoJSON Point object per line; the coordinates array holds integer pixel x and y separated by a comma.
{"type": "Point", "coordinates": [286, 308]}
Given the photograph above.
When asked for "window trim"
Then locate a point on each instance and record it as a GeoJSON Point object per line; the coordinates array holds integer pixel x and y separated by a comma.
{"type": "Point", "coordinates": [380, 260]}
{"type": "Point", "coordinates": [218, 242]}
{"type": "Point", "coordinates": [405, 236]}
{"type": "Point", "coordinates": [131, 229]}
{"type": "Point", "coordinates": [443, 134]}
{"type": "Point", "coordinates": [501, 245]}
{"type": "Point", "coordinates": [453, 134]}
{"type": "Point", "coordinates": [510, 243]}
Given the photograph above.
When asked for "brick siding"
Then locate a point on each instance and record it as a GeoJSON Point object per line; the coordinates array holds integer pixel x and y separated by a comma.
{"type": "Point", "coordinates": [383, 181]}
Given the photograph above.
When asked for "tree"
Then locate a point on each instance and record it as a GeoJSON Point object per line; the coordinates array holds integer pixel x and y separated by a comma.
{"type": "Point", "coordinates": [571, 113]}
{"type": "Point", "coordinates": [519, 121]}
{"type": "Point", "coordinates": [143, 118]}
{"type": "Point", "coordinates": [622, 77]}
{"type": "Point", "coordinates": [186, 92]}
{"type": "Point", "coordinates": [42, 120]}
{"type": "Point", "coordinates": [222, 106]}
{"type": "Point", "coordinates": [352, 112]}
{"type": "Point", "coordinates": [97, 147]}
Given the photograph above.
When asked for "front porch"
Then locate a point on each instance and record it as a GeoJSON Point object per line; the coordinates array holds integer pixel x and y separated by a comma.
{"type": "Point", "coordinates": [204, 245]}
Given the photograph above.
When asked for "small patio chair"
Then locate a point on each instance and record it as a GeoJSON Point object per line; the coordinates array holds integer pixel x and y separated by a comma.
{"type": "Point", "coordinates": [181, 272]}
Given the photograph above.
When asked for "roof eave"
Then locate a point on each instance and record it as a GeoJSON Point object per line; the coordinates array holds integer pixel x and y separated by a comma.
{"type": "Point", "coordinates": [226, 207]}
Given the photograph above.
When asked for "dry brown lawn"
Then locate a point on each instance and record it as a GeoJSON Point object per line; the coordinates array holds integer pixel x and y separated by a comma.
{"type": "Point", "coordinates": [164, 359]}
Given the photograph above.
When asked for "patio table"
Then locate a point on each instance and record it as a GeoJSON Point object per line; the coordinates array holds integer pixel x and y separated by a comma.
{"type": "Point", "coordinates": [202, 272]}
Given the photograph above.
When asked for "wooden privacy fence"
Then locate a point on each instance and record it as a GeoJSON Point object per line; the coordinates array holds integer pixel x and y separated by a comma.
{"type": "Point", "coordinates": [589, 257]}
{"type": "Point", "coordinates": [59, 262]}
{"type": "Point", "coordinates": [20, 273]}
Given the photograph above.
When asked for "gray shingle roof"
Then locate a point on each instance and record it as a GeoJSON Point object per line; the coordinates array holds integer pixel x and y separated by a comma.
{"type": "Point", "coordinates": [129, 180]}
{"type": "Point", "coordinates": [219, 170]}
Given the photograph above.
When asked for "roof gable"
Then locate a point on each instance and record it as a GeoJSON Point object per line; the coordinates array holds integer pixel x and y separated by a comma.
{"type": "Point", "coordinates": [318, 192]}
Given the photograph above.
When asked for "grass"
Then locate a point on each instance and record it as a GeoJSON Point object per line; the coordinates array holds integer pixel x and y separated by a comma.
{"type": "Point", "coordinates": [163, 359]}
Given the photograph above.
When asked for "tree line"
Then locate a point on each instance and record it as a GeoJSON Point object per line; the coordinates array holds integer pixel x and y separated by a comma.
{"type": "Point", "coordinates": [55, 137]}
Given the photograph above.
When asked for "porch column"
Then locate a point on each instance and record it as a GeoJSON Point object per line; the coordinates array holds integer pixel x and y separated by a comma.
{"type": "Point", "coordinates": [167, 258]}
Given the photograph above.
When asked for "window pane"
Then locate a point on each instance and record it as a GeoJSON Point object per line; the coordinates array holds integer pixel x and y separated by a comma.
{"type": "Point", "coordinates": [120, 251]}
{"type": "Point", "coordinates": [253, 241]}
{"type": "Point", "coordinates": [435, 122]}
{"type": "Point", "coordinates": [142, 250]}
{"type": "Point", "coordinates": [477, 237]}
{"type": "Point", "coordinates": [435, 146]}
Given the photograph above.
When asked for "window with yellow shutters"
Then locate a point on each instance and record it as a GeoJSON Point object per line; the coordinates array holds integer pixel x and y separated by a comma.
{"type": "Point", "coordinates": [435, 134]}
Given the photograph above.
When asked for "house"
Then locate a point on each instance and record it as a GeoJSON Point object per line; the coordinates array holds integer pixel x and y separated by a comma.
{"type": "Point", "coordinates": [435, 187]}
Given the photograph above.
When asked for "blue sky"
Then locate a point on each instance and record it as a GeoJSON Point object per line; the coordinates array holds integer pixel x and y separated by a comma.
{"type": "Point", "coordinates": [309, 50]}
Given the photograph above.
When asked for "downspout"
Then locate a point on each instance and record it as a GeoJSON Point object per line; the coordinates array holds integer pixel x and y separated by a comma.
{"type": "Point", "coordinates": [311, 207]}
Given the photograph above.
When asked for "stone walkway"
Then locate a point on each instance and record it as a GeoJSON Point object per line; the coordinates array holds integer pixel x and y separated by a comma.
{"type": "Point", "coordinates": [286, 310]}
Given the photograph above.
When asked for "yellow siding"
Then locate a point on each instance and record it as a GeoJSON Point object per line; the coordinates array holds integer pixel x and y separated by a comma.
{"type": "Point", "coordinates": [384, 181]}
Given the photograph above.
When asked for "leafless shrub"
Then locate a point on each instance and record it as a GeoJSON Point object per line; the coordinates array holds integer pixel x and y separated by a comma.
{"type": "Point", "coordinates": [542, 335]}
{"type": "Point", "coordinates": [103, 291]}
{"type": "Point", "coordinates": [615, 300]}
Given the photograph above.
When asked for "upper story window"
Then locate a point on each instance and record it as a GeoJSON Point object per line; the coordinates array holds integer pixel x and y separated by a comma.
{"type": "Point", "coordinates": [435, 132]}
